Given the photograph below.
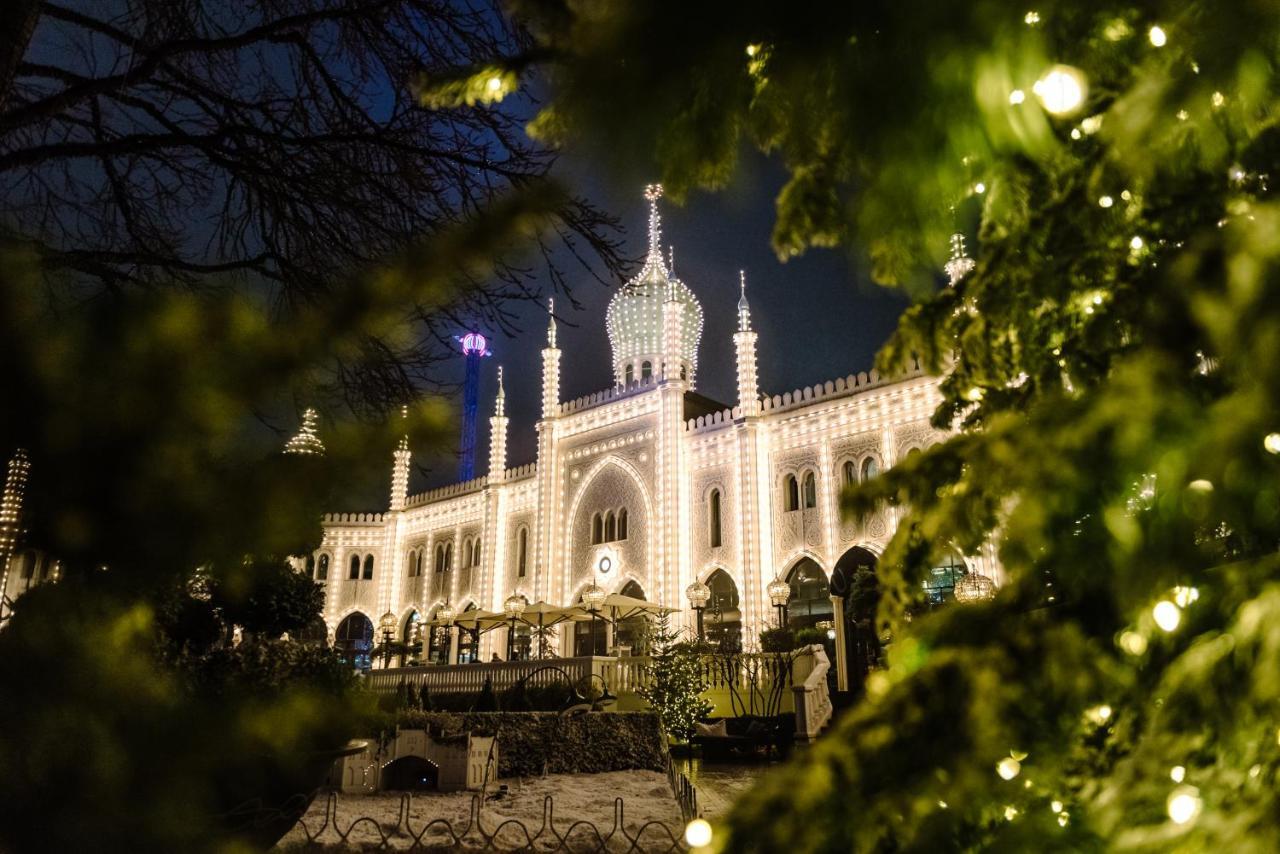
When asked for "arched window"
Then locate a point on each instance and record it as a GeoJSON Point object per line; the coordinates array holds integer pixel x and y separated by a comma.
{"type": "Point", "coordinates": [810, 491]}
{"type": "Point", "coordinates": [850, 473]}
{"type": "Point", "coordinates": [466, 553]}
{"type": "Point", "coordinates": [622, 524]}
{"type": "Point", "coordinates": [413, 562]}
{"type": "Point", "coordinates": [322, 568]}
{"type": "Point", "coordinates": [646, 370]}
{"type": "Point", "coordinates": [311, 565]}
{"type": "Point", "coordinates": [597, 529]}
{"type": "Point", "coordinates": [29, 566]}
{"type": "Point", "coordinates": [522, 552]}
{"type": "Point", "coordinates": [630, 374]}
{"type": "Point", "coordinates": [723, 617]}
{"type": "Point", "coordinates": [684, 372]}
{"type": "Point", "coordinates": [713, 510]}
{"type": "Point", "coordinates": [610, 527]}
{"type": "Point", "coordinates": [475, 552]}
{"type": "Point", "coordinates": [354, 572]}
{"type": "Point", "coordinates": [368, 567]}
{"type": "Point", "coordinates": [869, 469]}
{"type": "Point", "coordinates": [418, 568]}
{"type": "Point", "coordinates": [792, 498]}
{"type": "Point", "coordinates": [448, 556]}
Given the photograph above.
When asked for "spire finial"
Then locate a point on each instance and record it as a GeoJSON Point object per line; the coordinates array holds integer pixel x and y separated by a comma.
{"type": "Point", "coordinates": [502, 395]}
{"type": "Point", "coordinates": [653, 192]}
{"type": "Point", "coordinates": [551, 325]}
{"type": "Point", "coordinates": [744, 311]}
{"type": "Point", "coordinates": [959, 265]}
{"type": "Point", "coordinates": [306, 442]}
{"type": "Point", "coordinates": [671, 254]}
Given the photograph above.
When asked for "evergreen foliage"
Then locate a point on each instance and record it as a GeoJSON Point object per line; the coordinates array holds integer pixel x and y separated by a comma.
{"type": "Point", "coordinates": [677, 681]}
{"type": "Point", "coordinates": [1110, 360]}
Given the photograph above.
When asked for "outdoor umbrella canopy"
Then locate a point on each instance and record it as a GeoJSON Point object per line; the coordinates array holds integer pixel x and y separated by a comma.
{"type": "Point", "coordinates": [621, 607]}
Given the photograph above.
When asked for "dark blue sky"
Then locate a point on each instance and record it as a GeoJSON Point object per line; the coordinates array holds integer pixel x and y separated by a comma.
{"type": "Point", "coordinates": [818, 316]}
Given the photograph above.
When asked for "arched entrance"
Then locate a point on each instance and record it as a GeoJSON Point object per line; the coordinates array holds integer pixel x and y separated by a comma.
{"type": "Point", "coordinates": [810, 602]}
{"type": "Point", "coordinates": [633, 631]}
{"type": "Point", "coordinates": [854, 579]}
{"type": "Point", "coordinates": [410, 774]}
{"type": "Point", "coordinates": [723, 616]}
{"type": "Point", "coordinates": [354, 640]}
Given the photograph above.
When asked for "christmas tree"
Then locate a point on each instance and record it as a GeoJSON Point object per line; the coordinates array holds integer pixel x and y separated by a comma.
{"type": "Point", "coordinates": [1110, 372]}
{"type": "Point", "coordinates": [677, 681]}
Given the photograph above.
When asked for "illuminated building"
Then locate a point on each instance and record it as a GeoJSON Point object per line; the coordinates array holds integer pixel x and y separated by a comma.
{"type": "Point", "coordinates": [645, 488]}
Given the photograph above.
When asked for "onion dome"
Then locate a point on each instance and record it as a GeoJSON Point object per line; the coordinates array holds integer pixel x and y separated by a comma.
{"type": "Point", "coordinates": [635, 316]}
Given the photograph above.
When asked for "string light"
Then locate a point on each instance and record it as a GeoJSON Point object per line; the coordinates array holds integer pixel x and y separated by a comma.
{"type": "Point", "coordinates": [697, 833]}
{"type": "Point", "coordinates": [1031, 18]}
{"type": "Point", "coordinates": [1061, 90]}
{"type": "Point", "coordinates": [1183, 804]}
{"type": "Point", "coordinates": [1167, 615]}
{"type": "Point", "coordinates": [1017, 96]}
{"type": "Point", "coordinates": [1156, 35]}
{"type": "Point", "coordinates": [1178, 773]}
{"type": "Point", "coordinates": [1105, 201]}
{"type": "Point", "coordinates": [1272, 443]}
{"type": "Point", "coordinates": [306, 442]}
{"type": "Point", "coordinates": [1008, 768]}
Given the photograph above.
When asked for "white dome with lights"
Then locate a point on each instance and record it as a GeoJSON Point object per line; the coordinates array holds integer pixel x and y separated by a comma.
{"type": "Point", "coordinates": [635, 315]}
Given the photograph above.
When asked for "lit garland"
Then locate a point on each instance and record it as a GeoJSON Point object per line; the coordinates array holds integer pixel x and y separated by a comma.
{"type": "Point", "coordinates": [306, 442]}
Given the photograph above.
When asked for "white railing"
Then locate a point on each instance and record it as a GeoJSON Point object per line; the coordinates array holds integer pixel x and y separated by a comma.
{"type": "Point", "coordinates": [813, 702]}
{"type": "Point", "coordinates": [465, 678]}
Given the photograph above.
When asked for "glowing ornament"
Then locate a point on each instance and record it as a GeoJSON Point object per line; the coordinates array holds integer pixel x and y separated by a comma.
{"type": "Point", "coordinates": [1008, 768]}
{"type": "Point", "coordinates": [1136, 243]}
{"type": "Point", "coordinates": [1156, 35]}
{"type": "Point", "coordinates": [1056, 806]}
{"type": "Point", "coordinates": [495, 84]}
{"type": "Point", "coordinates": [1167, 615]}
{"type": "Point", "coordinates": [1031, 18]}
{"type": "Point", "coordinates": [1099, 714]}
{"type": "Point", "coordinates": [1183, 804]}
{"type": "Point", "coordinates": [697, 833]}
{"type": "Point", "coordinates": [1133, 643]}
{"type": "Point", "coordinates": [1105, 201]}
{"type": "Point", "coordinates": [1177, 773]}
{"type": "Point", "coordinates": [1272, 443]}
{"type": "Point", "coordinates": [1061, 90]}
{"type": "Point", "coordinates": [974, 587]}
{"type": "Point", "coordinates": [1218, 99]}
{"type": "Point", "coordinates": [1017, 96]}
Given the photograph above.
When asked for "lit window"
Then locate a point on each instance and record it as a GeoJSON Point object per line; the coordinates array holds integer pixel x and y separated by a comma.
{"type": "Point", "coordinates": [631, 374]}
{"type": "Point", "coordinates": [646, 370]}
{"type": "Point", "coordinates": [714, 511]}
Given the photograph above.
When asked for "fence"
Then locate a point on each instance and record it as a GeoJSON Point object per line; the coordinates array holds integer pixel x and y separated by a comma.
{"type": "Point", "coordinates": [364, 832]}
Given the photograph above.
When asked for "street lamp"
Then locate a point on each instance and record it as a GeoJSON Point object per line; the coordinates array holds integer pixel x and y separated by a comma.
{"type": "Point", "coordinates": [593, 597]}
{"type": "Point", "coordinates": [514, 606]}
{"type": "Point", "coordinates": [388, 627]}
{"type": "Point", "coordinates": [779, 594]}
{"type": "Point", "coordinates": [974, 587]}
{"type": "Point", "coordinates": [698, 594]}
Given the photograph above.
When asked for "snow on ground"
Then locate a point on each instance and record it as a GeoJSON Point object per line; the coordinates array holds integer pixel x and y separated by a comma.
{"type": "Point", "coordinates": [720, 783]}
{"type": "Point", "coordinates": [646, 797]}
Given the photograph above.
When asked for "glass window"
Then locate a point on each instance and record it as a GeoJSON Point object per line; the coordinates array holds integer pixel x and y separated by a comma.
{"type": "Point", "coordinates": [850, 473]}
{"type": "Point", "coordinates": [610, 527]}
{"type": "Point", "coordinates": [870, 468]}
{"type": "Point", "coordinates": [714, 511]}
{"type": "Point", "coordinates": [368, 567]}
{"type": "Point", "coordinates": [810, 491]}
{"type": "Point", "coordinates": [622, 524]}
{"type": "Point", "coordinates": [354, 571]}
{"type": "Point", "coordinates": [793, 493]}
{"type": "Point", "coordinates": [322, 568]}
{"type": "Point", "coordinates": [597, 529]}
{"type": "Point", "coordinates": [522, 552]}
{"type": "Point", "coordinates": [646, 370]}
{"type": "Point", "coordinates": [631, 374]}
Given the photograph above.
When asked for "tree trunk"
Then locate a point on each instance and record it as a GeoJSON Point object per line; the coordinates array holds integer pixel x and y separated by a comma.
{"type": "Point", "coordinates": [17, 23]}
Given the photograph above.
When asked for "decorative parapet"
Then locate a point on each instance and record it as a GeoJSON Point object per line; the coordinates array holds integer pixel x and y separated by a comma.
{"type": "Point", "coordinates": [354, 518]}
{"type": "Point", "coordinates": [520, 472]}
{"type": "Point", "coordinates": [451, 491]}
{"type": "Point", "coordinates": [845, 385]}
{"type": "Point", "coordinates": [713, 421]}
{"type": "Point", "coordinates": [616, 393]}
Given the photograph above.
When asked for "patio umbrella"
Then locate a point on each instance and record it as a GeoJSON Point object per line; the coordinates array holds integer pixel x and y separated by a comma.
{"type": "Point", "coordinates": [542, 615]}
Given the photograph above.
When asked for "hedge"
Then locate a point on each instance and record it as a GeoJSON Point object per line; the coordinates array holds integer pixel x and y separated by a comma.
{"type": "Point", "coordinates": [531, 743]}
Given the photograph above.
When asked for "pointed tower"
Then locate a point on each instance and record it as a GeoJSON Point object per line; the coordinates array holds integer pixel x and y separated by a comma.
{"type": "Point", "coordinates": [498, 434]}
{"type": "Point", "coordinates": [474, 347]}
{"type": "Point", "coordinates": [551, 368]}
{"type": "Point", "coordinates": [959, 264]}
{"type": "Point", "coordinates": [400, 469]}
{"type": "Point", "coordinates": [744, 342]}
{"type": "Point", "coordinates": [15, 488]}
{"type": "Point", "coordinates": [306, 442]}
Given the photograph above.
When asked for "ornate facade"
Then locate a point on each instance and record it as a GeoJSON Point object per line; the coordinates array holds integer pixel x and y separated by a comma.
{"type": "Point", "coordinates": [645, 486]}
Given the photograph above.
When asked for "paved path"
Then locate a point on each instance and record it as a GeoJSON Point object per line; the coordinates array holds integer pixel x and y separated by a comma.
{"type": "Point", "coordinates": [720, 784]}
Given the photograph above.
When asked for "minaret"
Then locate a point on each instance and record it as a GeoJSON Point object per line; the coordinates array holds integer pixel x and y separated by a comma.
{"type": "Point", "coordinates": [672, 308]}
{"type": "Point", "coordinates": [959, 264]}
{"type": "Point", "coordinates": [400, 470]}
{"type": "Point", "coordinates": [15, 488]}
{"type": "Point", "coordinates": [498, 434]}
{"type": "Point", "coordinates": [474, 347]}
{"type": "Point", "coordinates": [306, 442]}
{"type": "Point", "coordinates": [551, 368]}
{"type": "Point", "coordinates": [744, 342]}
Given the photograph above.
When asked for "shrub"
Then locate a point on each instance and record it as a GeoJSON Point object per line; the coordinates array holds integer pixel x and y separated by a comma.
{"type": "Point", "coordinates": [777, 640]}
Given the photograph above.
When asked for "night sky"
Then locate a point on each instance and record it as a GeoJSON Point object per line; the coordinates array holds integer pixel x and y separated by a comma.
{"type": "Point", "coordinates": [818, 316]}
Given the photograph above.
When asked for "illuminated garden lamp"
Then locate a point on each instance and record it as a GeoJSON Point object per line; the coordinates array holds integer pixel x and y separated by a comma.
{"type": "Point", "coordinates": [699, 594]}
{"type": "Point", "coordinates": [514, 607]}
{"type": "Point", "coordinates": [779, 594]}
{"type": "Point", "coordinates": [593, 598]}
{"type": "Point", "coordinates": [387, 625]}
